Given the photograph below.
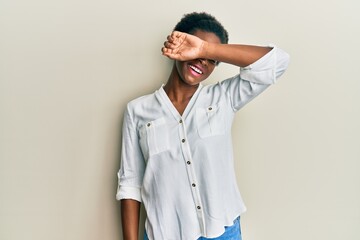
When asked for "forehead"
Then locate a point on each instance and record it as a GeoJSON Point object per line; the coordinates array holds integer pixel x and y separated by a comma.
{"type": "Point", "coordinates": [207, 36]}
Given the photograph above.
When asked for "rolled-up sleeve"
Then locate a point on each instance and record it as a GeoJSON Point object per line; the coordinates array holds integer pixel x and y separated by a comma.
{"type": "Point", "coordinates": [130, 175]}
{"type": "Point", "coordinates": [255, 78]}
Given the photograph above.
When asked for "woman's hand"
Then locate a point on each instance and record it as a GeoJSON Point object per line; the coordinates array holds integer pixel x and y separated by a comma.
{"type": "Point", "coordinates": [182, 46]}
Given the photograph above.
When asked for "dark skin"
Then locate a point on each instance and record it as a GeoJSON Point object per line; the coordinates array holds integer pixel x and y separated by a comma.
{"type": "Point", "coordinates": [195, 59]}
{"type": "Point", "coordinates": [130, 215]}
{"type": "Point", "coordinates": [181, 85]}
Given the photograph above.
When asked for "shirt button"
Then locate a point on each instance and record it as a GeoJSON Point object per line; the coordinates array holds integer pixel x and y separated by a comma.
{"type": "Point", "coordinates": [183, 140]}
{"type": "Point", "coordinates": [188, 162]}
{"type": "Point", "coordinates": [180, 121]}
{"type": "Point", "coordinates": [198, 207]}
{"type": "Point", "coordinates": [194, 185]}
{"type": "Point", "coordinates": [210, 108]}
{"type": "Point", "coordinates": [149, 124]}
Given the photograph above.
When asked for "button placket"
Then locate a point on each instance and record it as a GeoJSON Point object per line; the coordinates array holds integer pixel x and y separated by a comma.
{"type": "Point", "coordinates": [191, 175]}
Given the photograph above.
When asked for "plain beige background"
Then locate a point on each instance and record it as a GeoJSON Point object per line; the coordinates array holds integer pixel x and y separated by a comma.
{"type": "Point", "coordinates": [68, 68]}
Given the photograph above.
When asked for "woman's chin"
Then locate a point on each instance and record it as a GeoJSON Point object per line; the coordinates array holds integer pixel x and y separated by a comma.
{"type": "Point", "coordinates": [192, 81]}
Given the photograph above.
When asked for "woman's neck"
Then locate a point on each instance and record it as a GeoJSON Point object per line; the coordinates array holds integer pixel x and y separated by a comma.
{"type": "Point", "coordinates": [178, 91]}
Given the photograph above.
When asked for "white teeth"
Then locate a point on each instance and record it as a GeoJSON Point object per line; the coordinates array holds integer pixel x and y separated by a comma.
{"type": "Point", "coordinates": [196, 69]}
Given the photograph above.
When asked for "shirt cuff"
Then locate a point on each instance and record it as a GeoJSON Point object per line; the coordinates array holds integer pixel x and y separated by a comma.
{"type": "Point", "coordinates": [125, 192]}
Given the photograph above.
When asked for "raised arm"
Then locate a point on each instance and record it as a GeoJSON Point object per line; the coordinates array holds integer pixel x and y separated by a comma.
{"type": "Point", "coordinates": [183, 47]}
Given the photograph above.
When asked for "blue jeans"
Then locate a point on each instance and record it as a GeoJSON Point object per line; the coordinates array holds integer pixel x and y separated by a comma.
{"type": "Point", "coordinates": [232, 232]}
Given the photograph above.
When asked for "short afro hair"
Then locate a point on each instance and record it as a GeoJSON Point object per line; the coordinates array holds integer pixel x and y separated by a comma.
{"type": "Point", "coordinates": [204, 22]}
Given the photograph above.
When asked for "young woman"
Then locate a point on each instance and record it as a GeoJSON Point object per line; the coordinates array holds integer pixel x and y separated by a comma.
{"type": "Point", "coordinates": [177, 156]}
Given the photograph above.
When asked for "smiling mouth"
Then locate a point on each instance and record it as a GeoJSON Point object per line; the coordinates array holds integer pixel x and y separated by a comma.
{"type": "Point", "coordinates": [195, 69]}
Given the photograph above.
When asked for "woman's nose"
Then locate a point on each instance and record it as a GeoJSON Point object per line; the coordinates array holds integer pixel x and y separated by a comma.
{"type": "Point", "coordinates": [203, 61]}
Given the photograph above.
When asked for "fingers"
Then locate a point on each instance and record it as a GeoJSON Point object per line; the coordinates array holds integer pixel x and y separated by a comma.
{"type": "Point", "coordinates": [167, 52]}
{"type": "Point", "coordinates": [177, 34]}
{"type": "Point", "coordinates": [171, 41]}
{"type": "Point", "coordinates": [175, 37]}
{"type": "Point", "coordinates": [170, 53]}
{"type": "Point", "coordinates": [168, 44]}
{"type": "Point", "coordinates": [170, 38]}
{"type": "Point", "coordinates": [172, 44]}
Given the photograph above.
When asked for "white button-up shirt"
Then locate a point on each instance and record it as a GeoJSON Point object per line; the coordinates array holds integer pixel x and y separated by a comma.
{"type": "Point", "coordinates": [181, 166]}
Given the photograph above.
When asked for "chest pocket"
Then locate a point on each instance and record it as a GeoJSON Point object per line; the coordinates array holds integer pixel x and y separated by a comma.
{"type": "Point", "coordinates": [210, 121]}
{"type": "Point", "coordinates": [154, 137]}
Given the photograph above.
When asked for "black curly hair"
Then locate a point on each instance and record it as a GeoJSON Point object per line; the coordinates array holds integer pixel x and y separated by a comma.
{"type": "Point", "coordinates": [204, 22]}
